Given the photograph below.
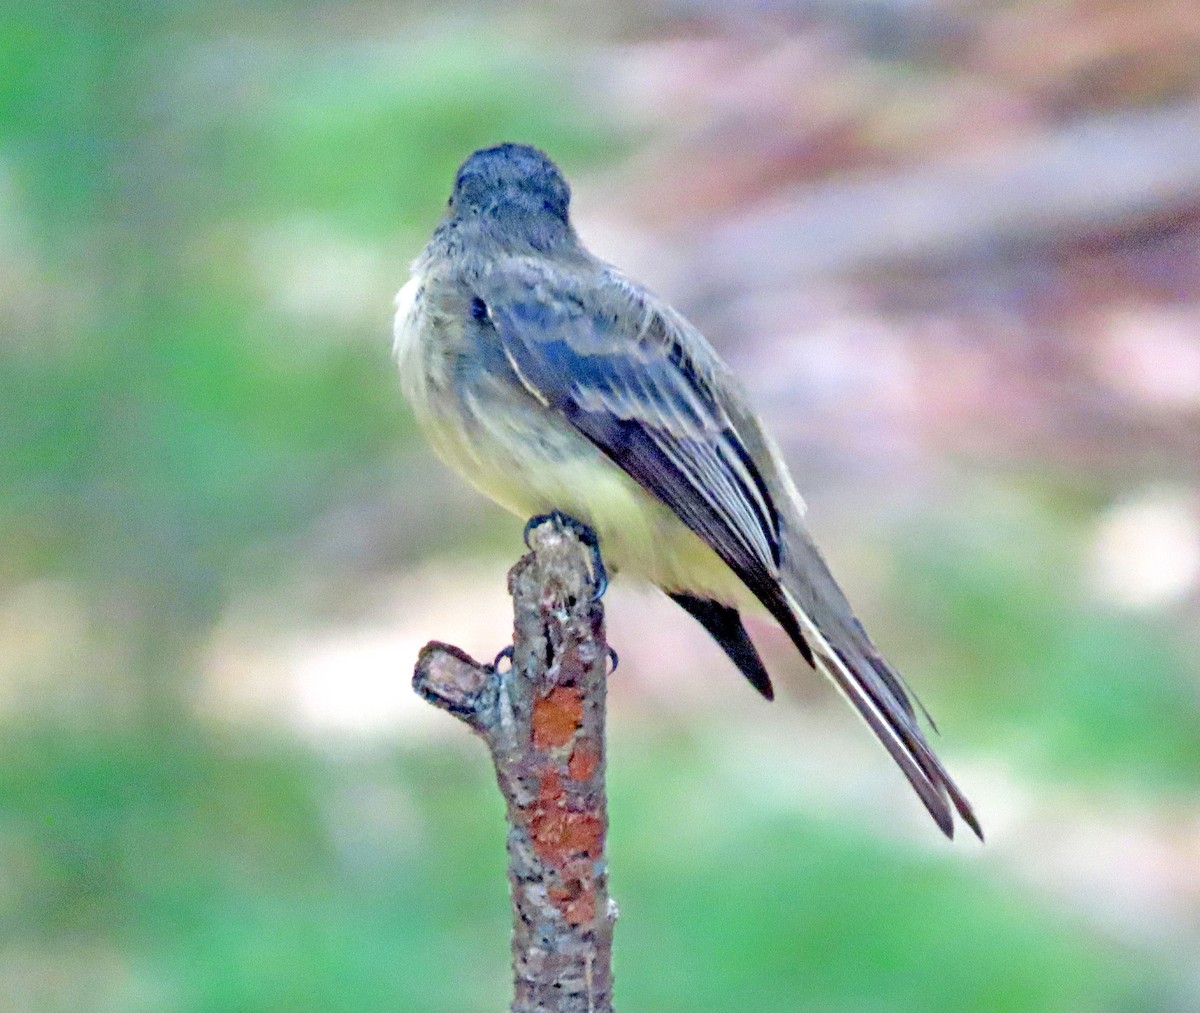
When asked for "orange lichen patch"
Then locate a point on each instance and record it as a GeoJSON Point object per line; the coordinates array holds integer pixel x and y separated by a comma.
{"type": "Point", "coordinates": [550, 790]}
{"type": "Point", "coordinates": [558, 833]}
{"type": "Point", "coordinates": [575, 901]}
{"type": "Point", "coordinates": [556, 717]}
{"type": "Point", "coordinates": [582, 910]}
{"type": "Point", "coordinates": [585, 758]}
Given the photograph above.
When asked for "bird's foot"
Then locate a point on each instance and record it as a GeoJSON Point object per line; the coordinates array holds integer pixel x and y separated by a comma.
{"type": "Point", "coordinates": [585, 535]}
{"type": "Point", "coordinates": [507, 655]}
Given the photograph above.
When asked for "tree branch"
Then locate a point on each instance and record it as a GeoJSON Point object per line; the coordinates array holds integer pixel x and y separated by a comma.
{"type": "Point", "coordinates": [543, 722]}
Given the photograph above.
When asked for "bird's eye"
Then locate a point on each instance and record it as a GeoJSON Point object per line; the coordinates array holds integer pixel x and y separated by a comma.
{"type": "Point", "coordinates": [479, 310]}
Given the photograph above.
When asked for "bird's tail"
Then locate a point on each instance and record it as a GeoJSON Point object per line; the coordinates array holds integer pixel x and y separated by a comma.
{"type": "Point", "coordinates": [842, 651]}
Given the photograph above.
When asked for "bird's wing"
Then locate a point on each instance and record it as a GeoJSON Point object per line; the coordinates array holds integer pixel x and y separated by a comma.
{"type": "Point", "coordinates": [600, 352]}
{"type": "Point", "coordinates": [633, 377]}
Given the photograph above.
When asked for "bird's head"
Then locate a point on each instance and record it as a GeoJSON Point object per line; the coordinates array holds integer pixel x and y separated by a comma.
{"type": "Point", "coordinates": [516, 192]}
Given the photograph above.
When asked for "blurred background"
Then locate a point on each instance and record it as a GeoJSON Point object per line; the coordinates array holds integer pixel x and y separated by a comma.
{"type": "Point", "coordinates": [953, 248]}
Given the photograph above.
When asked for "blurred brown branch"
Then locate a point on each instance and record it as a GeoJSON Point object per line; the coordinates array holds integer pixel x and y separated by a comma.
{"type": "Point", "coordinates": [1099, 173]}
{"type": "Point", "coordinates": [543, 721]}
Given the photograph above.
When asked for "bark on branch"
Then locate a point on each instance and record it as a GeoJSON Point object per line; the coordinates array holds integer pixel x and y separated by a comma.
{"type": "Point", "coordinates": [543, 720]}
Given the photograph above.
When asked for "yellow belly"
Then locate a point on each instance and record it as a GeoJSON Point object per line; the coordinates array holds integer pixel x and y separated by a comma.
{"type": "Point", "coordinates": [639, 535]}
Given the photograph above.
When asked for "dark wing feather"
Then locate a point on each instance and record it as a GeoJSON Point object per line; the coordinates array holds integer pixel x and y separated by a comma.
{"type": "Point", "coordinates": [725, 627]}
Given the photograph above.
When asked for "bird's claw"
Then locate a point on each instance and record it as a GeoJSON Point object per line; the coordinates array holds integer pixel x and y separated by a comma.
{"type": "Point", "coordinates": [507, 655]}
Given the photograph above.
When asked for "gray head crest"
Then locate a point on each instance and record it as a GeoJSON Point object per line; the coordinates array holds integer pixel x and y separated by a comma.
{"type": "Point", "coordinates": [511, 181]}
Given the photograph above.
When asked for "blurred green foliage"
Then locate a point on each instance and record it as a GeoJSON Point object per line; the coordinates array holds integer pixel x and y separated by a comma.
{"type": "Point", "coordinates": [1100, 696]}
{"type": "Point", "coordinates": [221, 876]}
{"type": "Point", "coordinates": [760, 910]}
{"type": "Point", "coordinates": [157, 421]}
{"type": "Point", "coordinates": [157, 197]}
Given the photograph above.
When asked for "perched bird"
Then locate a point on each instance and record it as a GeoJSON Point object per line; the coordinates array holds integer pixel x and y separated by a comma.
{"type": "Point", "coordinates": [552, 382]}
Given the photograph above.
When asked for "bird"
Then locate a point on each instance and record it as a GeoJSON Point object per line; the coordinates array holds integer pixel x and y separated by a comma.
{"type": "Point", "coordinates": [554, 383]}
